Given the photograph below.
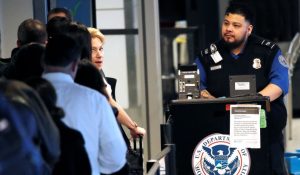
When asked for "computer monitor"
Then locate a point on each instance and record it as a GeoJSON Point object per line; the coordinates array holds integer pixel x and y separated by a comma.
{"type": "Point", "coordinates": [242, 85]}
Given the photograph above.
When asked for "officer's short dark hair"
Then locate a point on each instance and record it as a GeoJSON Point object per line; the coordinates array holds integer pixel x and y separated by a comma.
{"type": "Point", "coordinates": [32, 30]}
{"type": "Point", "coordinates": [61, 50]}
{"type": "Point", "coordinates": [60, 10]}
{"type": "Point", "coordinates": [242, 8]}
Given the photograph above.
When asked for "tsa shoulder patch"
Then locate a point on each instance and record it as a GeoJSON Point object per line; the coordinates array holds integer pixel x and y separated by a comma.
{"type": "Point", "coordinates": [282, 60]}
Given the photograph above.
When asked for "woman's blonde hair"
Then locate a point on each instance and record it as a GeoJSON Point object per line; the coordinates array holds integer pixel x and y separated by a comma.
{"type": "Point", "coordinates": [95, 33]}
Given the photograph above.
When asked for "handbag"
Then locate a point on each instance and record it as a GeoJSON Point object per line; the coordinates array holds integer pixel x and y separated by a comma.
{"type": "Point", "coordinates": [134, 155]}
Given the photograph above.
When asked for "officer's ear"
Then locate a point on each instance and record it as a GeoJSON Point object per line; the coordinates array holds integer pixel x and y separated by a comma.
{"type": "Point", "coordinates": [249, 30]}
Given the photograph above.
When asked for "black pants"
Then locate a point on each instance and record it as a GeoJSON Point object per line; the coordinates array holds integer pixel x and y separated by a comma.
{"type": "Point", "coordinates": [277, 156]}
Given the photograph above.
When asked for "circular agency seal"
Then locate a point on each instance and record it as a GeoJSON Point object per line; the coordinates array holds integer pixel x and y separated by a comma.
{"type": "Point", "coordinates": [213, 156]}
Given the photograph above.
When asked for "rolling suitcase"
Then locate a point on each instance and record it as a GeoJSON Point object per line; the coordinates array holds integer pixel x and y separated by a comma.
{"type": "Point", "coordinates": [135, 157]}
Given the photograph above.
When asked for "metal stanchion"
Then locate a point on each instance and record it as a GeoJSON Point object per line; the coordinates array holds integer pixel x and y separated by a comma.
{"type": "Point", "coordinates": [152, 167]}
{"type": "Point", "coordinates": [292, 57]}
{"type": "Point", "coordinates": [170, 160]}
{"type": "Point", "coordinates": [166, 134]}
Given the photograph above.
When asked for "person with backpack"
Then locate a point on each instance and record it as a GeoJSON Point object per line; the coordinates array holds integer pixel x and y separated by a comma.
{"type": "Point", "coordinates": [28, 138]}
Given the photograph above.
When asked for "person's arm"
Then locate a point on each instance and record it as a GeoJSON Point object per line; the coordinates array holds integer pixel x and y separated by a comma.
{"type": "Point", "coordinates": [124, 119]}
{"type": "Point", "coordinates": [271, 90]}
{"type": "Point", "coordinates": [278, 77]}
{"type": "Point", "coordinates": [202, 74]}
{"type": "Point", "coordinates": [203, 92]}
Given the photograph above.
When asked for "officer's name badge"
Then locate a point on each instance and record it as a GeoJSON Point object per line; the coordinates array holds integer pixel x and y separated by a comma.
{"type": "Point", "coordinates": [216, 67]}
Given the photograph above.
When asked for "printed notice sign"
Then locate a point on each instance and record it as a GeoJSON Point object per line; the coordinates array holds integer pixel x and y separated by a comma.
{"type": "Point", "coordinates": [245, 126]}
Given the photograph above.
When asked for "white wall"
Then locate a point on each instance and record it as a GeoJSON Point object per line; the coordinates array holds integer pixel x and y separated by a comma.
{"type": "Point", "coordinates": [12, 13]}
{"type": "Point", "coordinates": [110, 15]}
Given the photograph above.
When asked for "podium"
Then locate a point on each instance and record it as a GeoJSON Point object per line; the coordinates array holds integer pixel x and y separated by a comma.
{"type": "Point", "coordinates": [193, 120]}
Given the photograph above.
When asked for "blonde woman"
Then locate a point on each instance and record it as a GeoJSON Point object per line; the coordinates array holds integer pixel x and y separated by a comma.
{"type": "Point", "coordinates": [98, 60]}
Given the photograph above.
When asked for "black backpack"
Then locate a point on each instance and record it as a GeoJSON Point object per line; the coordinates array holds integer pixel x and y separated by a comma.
{"type": "Point", "coordinates": [18, 153]}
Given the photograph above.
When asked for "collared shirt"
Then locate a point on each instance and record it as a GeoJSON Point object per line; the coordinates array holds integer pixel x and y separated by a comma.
{"type": "Point", "coordinates": [108, 87]}
{"type": "Point", "coordinates": [89, 112]}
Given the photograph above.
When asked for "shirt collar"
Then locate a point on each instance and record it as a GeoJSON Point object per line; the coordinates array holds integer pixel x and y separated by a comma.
{"type": "Point", "coordinates": [58, 76]}
{"type": "Point", "coordinates": [236, 56]}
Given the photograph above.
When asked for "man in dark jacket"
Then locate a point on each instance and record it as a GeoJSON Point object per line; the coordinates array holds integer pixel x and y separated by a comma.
{"type": "Point", "coordinates": [29, 31]}
{"type": "Point", "coordinates": [239, 52]}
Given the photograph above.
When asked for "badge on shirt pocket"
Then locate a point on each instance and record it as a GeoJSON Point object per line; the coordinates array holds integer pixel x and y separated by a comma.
{"type": "Point", "coordinates": [256, 63]}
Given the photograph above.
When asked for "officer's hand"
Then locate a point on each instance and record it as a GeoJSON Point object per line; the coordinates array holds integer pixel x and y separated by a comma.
{"type": "Point", "coordinates": [206, 95]}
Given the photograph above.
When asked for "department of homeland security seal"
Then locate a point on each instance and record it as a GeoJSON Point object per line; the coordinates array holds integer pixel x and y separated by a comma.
{"type": "Point", "coordinates": [213, 156]}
